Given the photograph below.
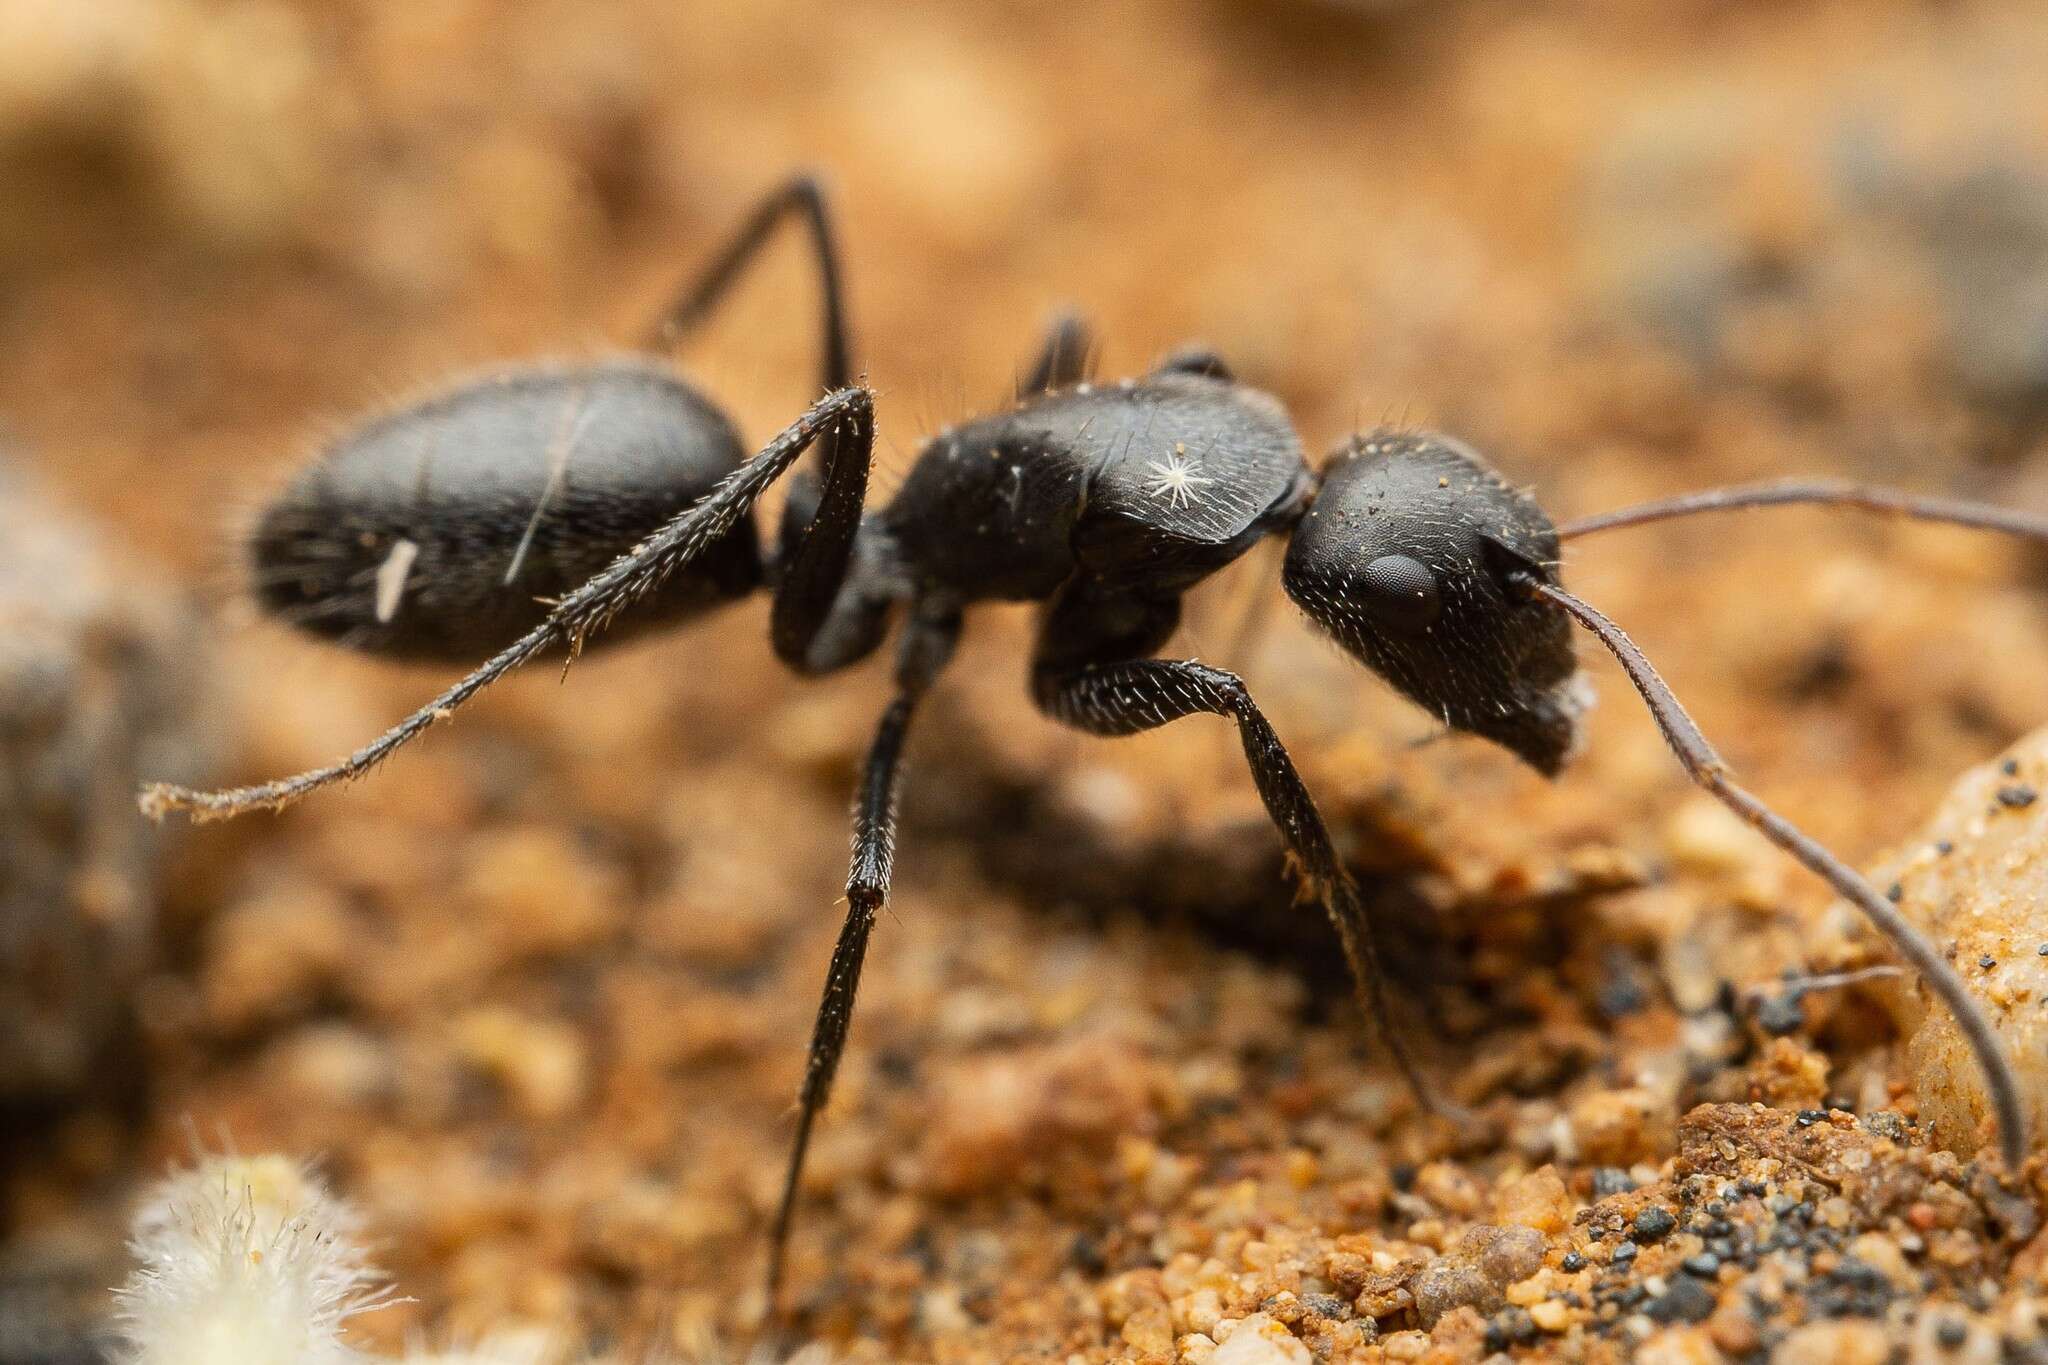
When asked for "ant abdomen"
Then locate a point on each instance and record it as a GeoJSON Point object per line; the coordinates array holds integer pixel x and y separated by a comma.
{"type": "Point", "coordinates": [443, 530]}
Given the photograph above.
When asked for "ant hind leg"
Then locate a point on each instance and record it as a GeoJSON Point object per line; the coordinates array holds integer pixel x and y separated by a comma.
{"type": "Point", "coordinates": [799, 196]}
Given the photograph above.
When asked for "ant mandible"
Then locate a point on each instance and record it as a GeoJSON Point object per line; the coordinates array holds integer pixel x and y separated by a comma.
{"type": "Point", "coordinates": [526, 512]}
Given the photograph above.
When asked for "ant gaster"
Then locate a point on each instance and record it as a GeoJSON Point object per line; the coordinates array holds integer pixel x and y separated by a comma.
{"type": "Point", "coordinates": [524, 513]}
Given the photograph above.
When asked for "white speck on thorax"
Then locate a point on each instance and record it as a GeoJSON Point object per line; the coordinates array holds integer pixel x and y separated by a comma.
{"type": "Point", "coordinates": [1175, 479]}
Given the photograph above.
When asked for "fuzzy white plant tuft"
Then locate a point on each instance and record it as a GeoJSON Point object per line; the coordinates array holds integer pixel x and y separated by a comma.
{"type": "Point", "coordinates": [250, 1261]}
{"type": "Point", "coordinates": [245, 1261]}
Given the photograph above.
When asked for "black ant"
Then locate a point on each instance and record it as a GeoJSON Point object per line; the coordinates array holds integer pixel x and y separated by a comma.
{"type": "Point", "coordinates": [525, 512]}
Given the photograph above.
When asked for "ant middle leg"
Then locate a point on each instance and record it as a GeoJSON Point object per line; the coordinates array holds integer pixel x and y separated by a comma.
{"type": "Point", "coordinates": [926, 646]}
{"type": "Point", "coordinates": [1127, 695]}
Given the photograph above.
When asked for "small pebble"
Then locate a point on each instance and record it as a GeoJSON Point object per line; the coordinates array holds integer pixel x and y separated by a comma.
{"type": "Point", "coordinates": [1951, 1333]}
{"type": "Point", "coordinates": [1705, 1265]}
{"type": "Point", "coordinates": [1623, 1254]}
{"type": "Point", "coordinates": [1572, 1262]}
{"type": "Point", "coordinates": [2017, 796]}
{"type": "Point", "coordinates": [1685, 1301]}
{"type": "Point", "coordinates": [1781, 1015]}
{"type": "Point", "coordinates": [1987, 962]}
{"type": "Point", "coordinates": [1609, 1181]}
{"type": "Point", "coordinates": [1654, 1224]}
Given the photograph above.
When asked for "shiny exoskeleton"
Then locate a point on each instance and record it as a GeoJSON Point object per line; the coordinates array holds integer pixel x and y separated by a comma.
{"type": "Point", "coordinates": [437, 532]}
{"type": "Point", "coordinates": [525, 512]}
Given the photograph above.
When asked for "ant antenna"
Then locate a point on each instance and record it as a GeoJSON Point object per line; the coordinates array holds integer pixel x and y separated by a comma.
{"type": "Point", "coordinates": [1818, 492]}
{"type": "Point", "coordinates": [1707, 768]}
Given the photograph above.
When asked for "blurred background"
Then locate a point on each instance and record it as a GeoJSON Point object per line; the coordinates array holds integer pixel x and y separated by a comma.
{"type": "Point", "coordinates": [537, 993]}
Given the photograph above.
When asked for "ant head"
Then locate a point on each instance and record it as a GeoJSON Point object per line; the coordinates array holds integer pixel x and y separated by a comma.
{"type": "Point", "coordinates": [1407, 558]}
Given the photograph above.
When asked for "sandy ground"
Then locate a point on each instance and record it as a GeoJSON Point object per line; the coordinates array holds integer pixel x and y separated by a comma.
{"type": "Point", "coordinates": [537, 994]}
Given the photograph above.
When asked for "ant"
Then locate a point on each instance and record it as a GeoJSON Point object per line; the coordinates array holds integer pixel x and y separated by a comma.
{"type": "Point", "coordinates": [538, 509]}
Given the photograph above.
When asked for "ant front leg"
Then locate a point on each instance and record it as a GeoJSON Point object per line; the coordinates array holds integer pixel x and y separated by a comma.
{"type": "Point", "coordinates": [927, 645]}
{"type": "Point", "coordinates": [1128, 696]}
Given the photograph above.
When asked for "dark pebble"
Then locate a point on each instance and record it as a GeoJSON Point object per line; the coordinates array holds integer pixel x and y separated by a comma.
{"type": "Point", "coordinates": [1326, 1306]}
{"type": "Point", "coordinates": [2017, 797]}
{"type": "Point", "coordinates": [1572, 1263]}
{"type": "Point", "coordinates": [1515, 1326]}
{"type": "Point", "coordinates": [1853, 1289]}
{"type": "Point", "coordinates": [1951, 1333]}
{"type": "Point", "coordinates": [1895, 893]}
{"type": "Point", "coordinates": [1808, 1117]}
{"type": "Point", "coordinates": [1654, 1224]}
{"type": "Point", "coordinates": [1623, 1254]}
{"type": "Point", "coordinates": [1705, 1265]}
{"type": "Point", "coordinates": [1621, 995]}
{"type": "Point", "coordinates": [2011, 767]}
{"type": "Point", "coordinates": [1609, 1181]}
{"type": "Point", "coordinates": [1987, 962]}
{"type": "Point", "coordinates": [1780, 1015]}
{"type": "Point", "coordinates": [1687, 1300]}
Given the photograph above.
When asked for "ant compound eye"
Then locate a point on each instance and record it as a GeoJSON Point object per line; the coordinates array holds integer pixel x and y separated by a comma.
{"type": "Point", "coordinates": [1401, 593]}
